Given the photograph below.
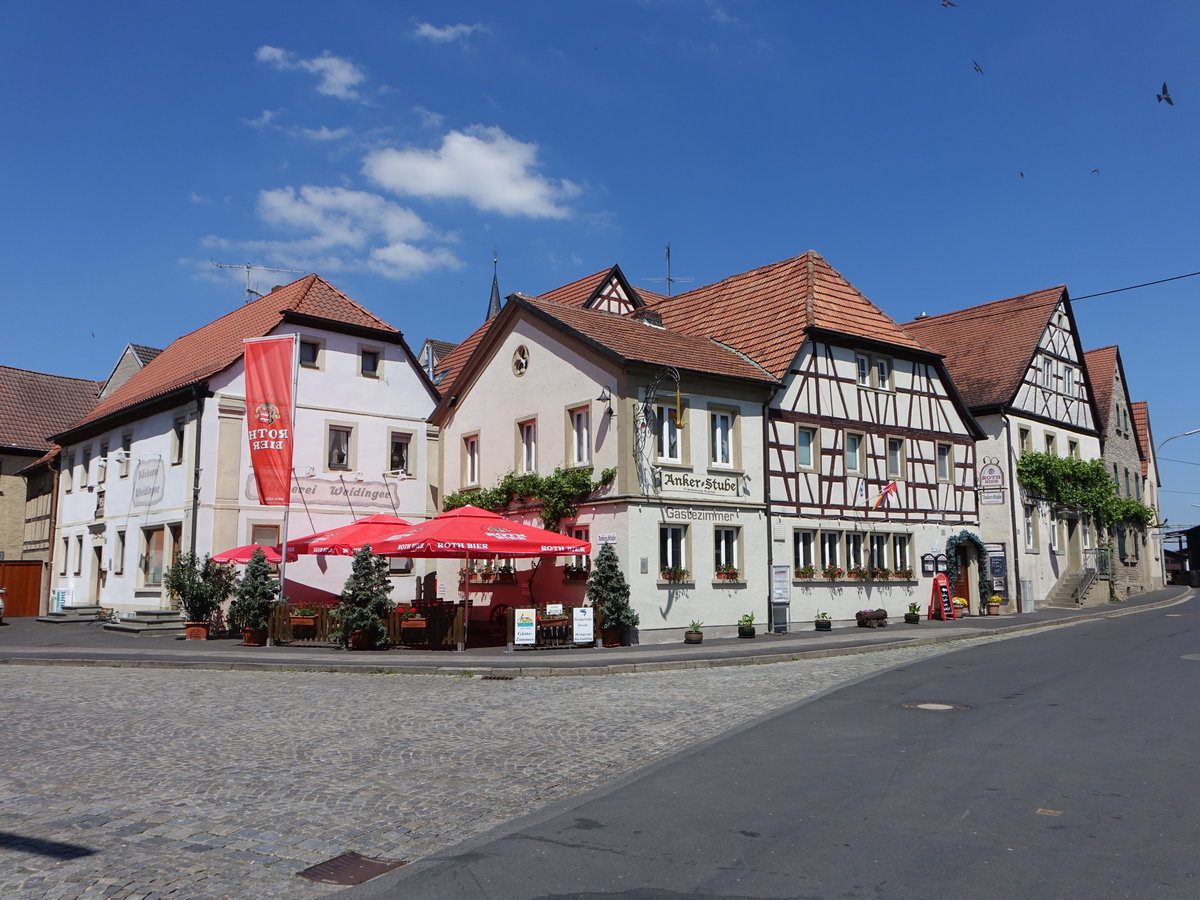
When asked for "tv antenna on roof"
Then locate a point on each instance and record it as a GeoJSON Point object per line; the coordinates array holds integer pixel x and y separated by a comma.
{"type": "Point", "coordinates": [250, 293]}
{"type": "Point", "coordinates": [681, 279]}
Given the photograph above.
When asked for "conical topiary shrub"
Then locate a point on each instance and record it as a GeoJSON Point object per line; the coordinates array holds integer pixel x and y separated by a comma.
{"type": "Point", "coordinates": [364, 603]}
{"type": "Point", "coordinates": [255, 595]}
{"type": "Point", "coordinates": [608, 592]}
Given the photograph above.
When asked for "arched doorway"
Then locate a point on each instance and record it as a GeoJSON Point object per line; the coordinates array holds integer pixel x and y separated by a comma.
{"type": "Point", "coordinates": [966, 556]}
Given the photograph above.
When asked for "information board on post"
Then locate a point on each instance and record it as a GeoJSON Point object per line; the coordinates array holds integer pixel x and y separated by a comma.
{"type": "Point", "coordinates": [525, 627]}
{"type": "Point", "coordinates": [583, 626]}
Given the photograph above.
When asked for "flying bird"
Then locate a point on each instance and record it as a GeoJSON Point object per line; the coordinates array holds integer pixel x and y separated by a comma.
{"type": "Point", "coordinates": [978, 67]}
{"type": "Point", "coordinates": [1020, 174]}
{"type": "Point", "coordinates": [1165, 96]}
{"type": "Point", "coordinates": [1095, 171]}
{"type": "Point", "coordinates": [949, 3]}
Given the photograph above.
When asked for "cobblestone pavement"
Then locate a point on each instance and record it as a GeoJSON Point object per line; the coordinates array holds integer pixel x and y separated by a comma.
{"type": "Point", "coordinates": [196, 783]}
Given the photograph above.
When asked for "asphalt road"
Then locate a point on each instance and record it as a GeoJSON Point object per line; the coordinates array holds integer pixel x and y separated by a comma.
{"type": "Point", "coordinates": [1067, 773]}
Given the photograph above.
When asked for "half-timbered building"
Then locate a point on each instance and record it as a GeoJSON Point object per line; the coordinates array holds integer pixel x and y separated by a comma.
{"type": "Point", "coordinates": [870, 464]}
{"type": "Point", "coordinates": [1018, 364]}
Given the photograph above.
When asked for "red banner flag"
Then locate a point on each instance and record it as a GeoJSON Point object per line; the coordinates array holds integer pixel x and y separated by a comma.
{"type": "Point", "coordinates": [270, 369]}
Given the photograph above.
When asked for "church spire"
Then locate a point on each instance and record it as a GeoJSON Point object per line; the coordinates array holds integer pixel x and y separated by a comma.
{"type": "Point", "coordinates": [494, 300]}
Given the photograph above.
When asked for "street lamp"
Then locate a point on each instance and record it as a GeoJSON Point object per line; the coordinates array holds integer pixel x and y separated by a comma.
{"type": "Point", "coordinates": [1172, 437]}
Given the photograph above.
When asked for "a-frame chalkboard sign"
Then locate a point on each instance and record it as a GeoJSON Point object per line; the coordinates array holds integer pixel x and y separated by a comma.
{"type": "Point", "coordinates": [941, 604]}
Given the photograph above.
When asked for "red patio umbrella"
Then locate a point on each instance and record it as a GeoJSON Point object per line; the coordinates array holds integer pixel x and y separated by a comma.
{"type": "Point", "coordinates": [472, 533]}
{"type": "Point", "coordinates": [346, 540]}
{"type": "Point", "coordinates": [241, 555]}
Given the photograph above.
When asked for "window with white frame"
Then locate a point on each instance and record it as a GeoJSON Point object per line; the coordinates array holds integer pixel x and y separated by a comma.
{"type": "Point", "coordinates": [1073, 449]}
{"type": "Point", "coordinates": [895, 457]}
{"type": "Point", "coordinates": [527, 435]}
{"type": "Point", "coordinates": [266, 535]}
{"type": "Point", "coordinates": [177, 441]}
{"type": "Point", "coordinates": [399, 443]}
{"type": "Point", "coordinates": [1030, 527]}
{"type": "Point", "coordinates": [725, 549]}
{"type": "Point", "coordinates": [126, 452]}
{"type": "Point", "coordinates": [68, 474]}
{"type": "Point", "coordinates": [900, 552]}
{"type": "Point", "coordinates": [581, 436]}
{"type": "Point", "coordinates": [668, 443]}
{"type": "Point", "coordinates": [878, 546]}
{"type": "Point", "coordinates": [1128, 488]}
{"type": "Point", "coordinates": [1052, 533]}
{"type": "Point", "coordinates": [102, 464]}
{"type": "Point", "coordinates": [854, 452]}
{"type": "Point", "coordinates": [583, 533]}
{"type": "Point", "coordinates": [806, 447]}
{"type": "Point", "coordinates": [85, 468]}
{"type": "Point", "coordinates": [118, 562]}
{"type": "Point", "coordinates": [338, 455]}
{"type": "Point", "coordinates": [154, 555]}
{"type": "Point", "coordinates": [79, 554]}
{"type": "Point", "coordinates": [672, 544]}
{"type": "Point", "coordinates": [1069, 381]}
{"type": "Point", "coordinates": [1051, 445]}
{"type": "Point", "coordinates": [883, 373]}
{"type": "Point", "coordinates": [66, 556]}
{"type": "Point", "coordinates": [862, 366]}
{"type": "Point", "coordinates": [854, 549]}
{"type": "Point", "coordinates": [1047, 372]}
{"type": "Point", "coordinates": [471, 460]}
{"type": "Point", "coordinates": [720, 433]}
{"type": "Point", "coordinates": [831, 548]}
{"type": "Point", "coordinates": [1025, 440]}
{"type": "Point", "coordinates": [945, 461]}
{"type": "Point", "coordinates": [873, 371]}
{"type": "Point", "coordinates": [804, 548]}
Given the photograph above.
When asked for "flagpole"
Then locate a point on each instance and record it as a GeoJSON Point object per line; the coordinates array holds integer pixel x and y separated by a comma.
{"type": "Point", "coordinates": [287, 507]}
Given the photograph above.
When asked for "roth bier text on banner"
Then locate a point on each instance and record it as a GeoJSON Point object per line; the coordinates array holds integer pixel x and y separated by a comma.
{"type": "Point", "coordinates": [270, 367]}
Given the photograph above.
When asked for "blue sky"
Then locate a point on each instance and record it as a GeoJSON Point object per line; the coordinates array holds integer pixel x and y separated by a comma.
{"type": "Point", "coordinates": [390, 147]}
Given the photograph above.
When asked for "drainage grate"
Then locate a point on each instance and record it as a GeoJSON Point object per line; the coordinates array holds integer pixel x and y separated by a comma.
{"type": "Point", "coordinates": [935, 707]}
{"type": "Point", "coordinates": [350, 868]}
{"type": "Point", "coordinates": [498, 678]}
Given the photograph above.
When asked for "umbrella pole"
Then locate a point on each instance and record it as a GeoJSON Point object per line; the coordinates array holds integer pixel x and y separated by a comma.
{"type": "Point", "coordinates": [462, 645]}
{"type": "Point", "coordinates": [283, 552]}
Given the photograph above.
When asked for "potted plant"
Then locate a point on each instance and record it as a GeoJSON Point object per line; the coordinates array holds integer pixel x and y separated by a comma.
{"type": "Point", "coordinates": [832, 572]}
{"type": "Point", "coordinates": [993, 606]}
{"type": "Point", "coordinates": [694, 635]}
{"type": "Point", "coordinates": [200, 588]}
{"type": "Point", "coordinates": [903, 574]}
{"type": "Point", "coordinates": [608, 592]}
{"type": "Point", "coordinates": [961, 606]}
{"type": "Point", "coordinates": [363, 606]}
{"type": "Point", "coordinates": [727, 572]}
{"type": "Point", "coordinates": [506, 573]}
{"type": "Point", "coordinates": [746, 626]}
{"type": "Point", "coordinates": [822, 622]}
{"type": "Point", "coordinates": [674, 573]}
{"type": "Point", "coordinates": [881, 573]}
{"type": "Point", "coordinates": [806, 572]}
{"type": "Point", "coordinates": [913, 616]}
{"type": "Point", "coordinates": [254, 600]}
{"type": "Point", "coordinates": [302, 614]}
{"type": "Point", "coordinates": [857, 572]}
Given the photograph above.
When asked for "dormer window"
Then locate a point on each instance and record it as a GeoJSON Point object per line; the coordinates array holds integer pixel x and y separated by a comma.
{"type": "Point", "coordinates": [873, 371]}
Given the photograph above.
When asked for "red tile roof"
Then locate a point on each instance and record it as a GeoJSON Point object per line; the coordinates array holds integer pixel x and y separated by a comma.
{"type": "Point", "coordinates": [1101, 366]}
{"type": "Point", "coordinates": [765, 312]}
{"type": "Point", "coordinates": [989, 348]}
{"type": "Point", "coordinates": [195, 357]}
{"type": "Point", "coordinates": [1141, 423]}
{"type": "Point", "coordinates": [34, 405]}
{"type": "Point", "coordinates": [630, 340]}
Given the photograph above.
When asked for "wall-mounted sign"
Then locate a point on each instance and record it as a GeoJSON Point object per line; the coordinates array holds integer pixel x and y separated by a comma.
{"type": "Point", "coordinates": [335, 492]}
{"type": "Point", "coordinates": [683, 514]}
{"type": "Point", "coordinates": [607, 538]}
{"type": "Point", "coordinates": [991, 477]}
{"type": "Point", "coordinates": [149, 482]}
{"type": "Point", "coordinates": [928, 565]}
{"type": "Point", "coordinates": [554, 609]}
{"type": "Point", "coordinates": [685, 482]}
{"type": "Point", "coordinates": [781, 584]}
{"type": "Point", "coordinates": [992, 498]}
{"type": "Point", "coordinates": [942, 562]}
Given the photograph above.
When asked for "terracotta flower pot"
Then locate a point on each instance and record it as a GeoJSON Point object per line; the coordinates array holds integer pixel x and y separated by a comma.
{"type": "Point", "coordinates": [361, 640]}
{"type": "Point", "coordinates": [254, 637]}
{"type": "Point", "coordinates": [195, 631]}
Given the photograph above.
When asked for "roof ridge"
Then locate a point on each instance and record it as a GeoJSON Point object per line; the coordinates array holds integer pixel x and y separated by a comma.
{"type": "Point", "coordinates": [49, 374]}
{"type": "Point", "coordinates": [966, 309]}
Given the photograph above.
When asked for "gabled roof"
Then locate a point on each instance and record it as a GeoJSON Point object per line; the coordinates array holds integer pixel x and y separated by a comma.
{"type": "Point", "coordinates": [1101, 365]}
{"type": "Point", "coordinates": [989, 348]}
{"type": "Point", "coordinates": [34, 405]}
{"type": "Point", "coordinates": [766, 312]}
{"type": "Point", "coordinates": [143, 353]}
{"type": "Point", "coordinates": [623, 339]}
{"type": "Point", "coordinates": [196, 357]}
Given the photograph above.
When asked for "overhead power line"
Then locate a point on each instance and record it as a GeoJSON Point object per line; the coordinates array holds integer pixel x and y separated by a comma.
{"type": "Point", "coordinates": [1134, 287]}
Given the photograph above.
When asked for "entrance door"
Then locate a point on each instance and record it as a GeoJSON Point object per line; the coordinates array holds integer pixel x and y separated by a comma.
{"type": "Point", "coordinates": [1074, 546]}
{"type": "Point", "coordinates": [97, 579]}
{"type": "Point", "coordinates": [21, 580]}
{"type": "Point", "coordinates": [967, 557]}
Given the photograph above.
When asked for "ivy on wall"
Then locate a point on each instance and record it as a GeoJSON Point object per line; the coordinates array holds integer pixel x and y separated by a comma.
{"type": "Point", "coordinates": [1064, 481]}
{"type": "Point", "coordinates": [952, 544]}
{"type": "Point", "coordinates": [559, 493]}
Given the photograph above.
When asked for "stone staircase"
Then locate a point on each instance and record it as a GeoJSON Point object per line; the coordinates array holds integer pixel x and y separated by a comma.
{"type": "Point", "coordinates": [1062, 594]}
{"type": "Point", "coordinates": [149, 621]}
{"type": "Point", "coordinates": [72, 614]}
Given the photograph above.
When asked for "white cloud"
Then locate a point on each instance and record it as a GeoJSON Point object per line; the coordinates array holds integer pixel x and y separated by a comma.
{"type": "Point", "coordinates": [429, 119]}
{"type": "Point", "coordinates": [323, 133]}
{"type": "Point", "coordinates": [341, 230]}
{"type": "Point", "coordinates": [447, 33]}
{"type": "Point", "coordinates": [336, 77]}
{"type": "Point", "coordinates": [483, 165]}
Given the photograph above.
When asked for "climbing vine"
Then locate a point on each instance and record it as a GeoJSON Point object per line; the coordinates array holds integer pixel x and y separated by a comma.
{"type": "Point", "coordinates": [559, 493]}
{"type": "Point", "coordinates": [1064, 481]}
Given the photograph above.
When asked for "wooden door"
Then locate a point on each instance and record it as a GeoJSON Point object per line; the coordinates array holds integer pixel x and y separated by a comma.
{"type": "Point", "coordinates": [20, 579]}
